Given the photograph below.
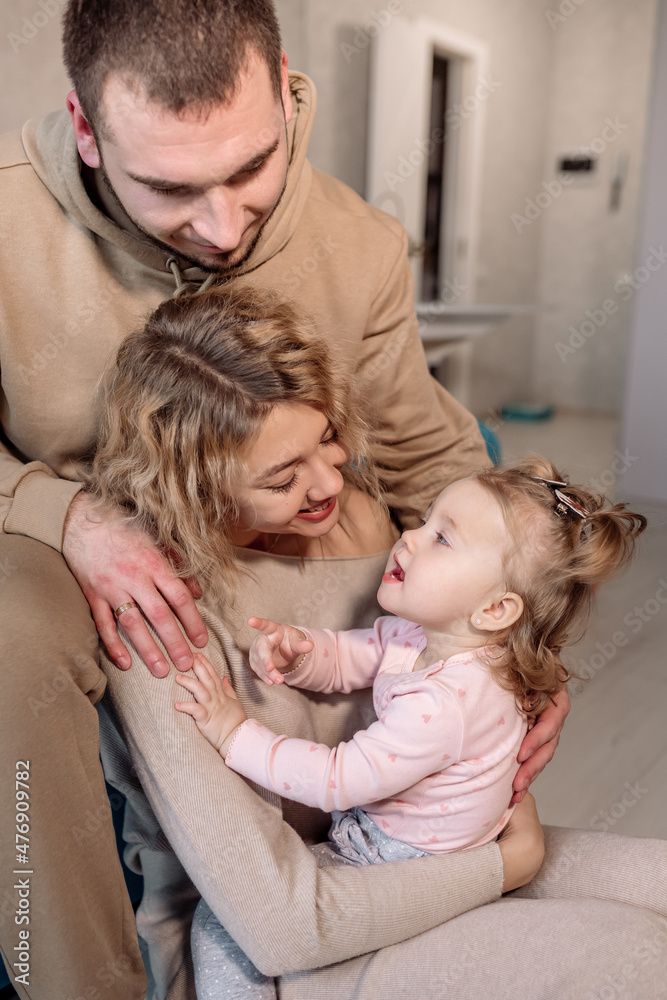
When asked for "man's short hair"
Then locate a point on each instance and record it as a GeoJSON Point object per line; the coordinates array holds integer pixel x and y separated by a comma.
{"type": "Point", "coordinates": [181, 53]}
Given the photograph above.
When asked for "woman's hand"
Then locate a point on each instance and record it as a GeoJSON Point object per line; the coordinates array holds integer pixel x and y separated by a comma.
{"type": "Point", "coordinates": [522, 845]}
{"type": "Point", "coordinates": [217, 711]}
{"type": "Point", "coordinates": [276, 649]}
{"type": "Point", "coordinates": [539, 745]}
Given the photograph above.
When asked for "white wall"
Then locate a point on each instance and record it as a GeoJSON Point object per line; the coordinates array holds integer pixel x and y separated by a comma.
{"type": "Point", "coordinates": [559, 79]}
{"type": "Point", "coordinates": [601, 75]}
{"type": "Point", "coordinates": [520, 44]}
{"type": "Point", "coordinates": [557, 84]}
{"type": "Point", "coordinates": [33, 80]}
{"type": "Point", "coordinates": [644, 422]}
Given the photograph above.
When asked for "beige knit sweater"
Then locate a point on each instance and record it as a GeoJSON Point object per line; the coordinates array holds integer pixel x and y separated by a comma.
{"type": "Point", "coordinates": [239, 843]}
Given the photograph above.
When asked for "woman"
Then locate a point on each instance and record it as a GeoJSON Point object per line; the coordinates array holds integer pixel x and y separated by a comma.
{"type": "Point", "coordinates": [231, 434]}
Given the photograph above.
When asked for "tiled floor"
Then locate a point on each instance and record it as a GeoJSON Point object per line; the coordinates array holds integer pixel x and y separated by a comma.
{"type": "Point", "coordinates": [610, 770]}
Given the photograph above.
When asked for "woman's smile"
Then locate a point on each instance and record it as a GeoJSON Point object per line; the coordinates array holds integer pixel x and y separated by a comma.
{"type": "Point", "coordinates": [318, 513]}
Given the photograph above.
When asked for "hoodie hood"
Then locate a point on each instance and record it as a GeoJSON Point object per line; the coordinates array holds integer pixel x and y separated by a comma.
{"type": "Point", "coordinates": [51, 148]}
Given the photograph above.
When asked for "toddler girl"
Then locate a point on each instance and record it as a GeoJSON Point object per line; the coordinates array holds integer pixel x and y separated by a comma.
{"type": "Point", "coordinates": [486, 592]}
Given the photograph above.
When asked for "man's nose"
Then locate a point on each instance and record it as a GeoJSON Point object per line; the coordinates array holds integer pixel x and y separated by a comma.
{"type": "Point", "coordinates": [221, 221]}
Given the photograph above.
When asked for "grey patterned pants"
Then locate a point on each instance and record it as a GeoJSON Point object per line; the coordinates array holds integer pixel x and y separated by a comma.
{"type": "Point", "coordinates": [223, 971]}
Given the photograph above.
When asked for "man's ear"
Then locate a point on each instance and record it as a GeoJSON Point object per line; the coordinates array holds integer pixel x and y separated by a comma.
{"type": "Point", "coordinates": [502, 614]}
{"type": "Point", "coordinates": [284, 88]}
{"type": "Point", "coordinates": [85, 139]}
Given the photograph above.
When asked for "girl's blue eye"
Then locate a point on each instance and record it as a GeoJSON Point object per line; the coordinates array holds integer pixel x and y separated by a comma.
{"type": "Point", "coordinates": [441, 538]}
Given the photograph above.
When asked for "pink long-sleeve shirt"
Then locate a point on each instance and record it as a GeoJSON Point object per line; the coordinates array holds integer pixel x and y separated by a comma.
{"type": "Point", "coordinates": [436, 768]}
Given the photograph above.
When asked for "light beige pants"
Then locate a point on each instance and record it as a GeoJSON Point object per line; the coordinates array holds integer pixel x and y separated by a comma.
{"type": "Point", "coordinates": [83, 941]}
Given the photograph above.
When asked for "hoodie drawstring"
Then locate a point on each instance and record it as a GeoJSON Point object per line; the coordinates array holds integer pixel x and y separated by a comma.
{"type": "Point", "coordinates": [183, 286]}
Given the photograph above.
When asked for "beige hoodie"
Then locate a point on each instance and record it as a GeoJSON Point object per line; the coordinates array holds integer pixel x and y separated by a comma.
{"type": "Point", "coordinates": [76, 277]}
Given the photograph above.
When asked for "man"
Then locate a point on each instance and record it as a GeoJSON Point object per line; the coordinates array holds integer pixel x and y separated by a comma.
{"type": "Point", "coordinates": [182, 160]}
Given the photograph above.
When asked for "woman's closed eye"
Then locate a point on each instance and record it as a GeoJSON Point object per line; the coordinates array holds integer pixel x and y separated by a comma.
{"type": "Point", "coordinates": [332, 439]}
{"type": "Point", "coordinates": [289, 486]}
{"type": "Point", "coordinates": [286, 487]}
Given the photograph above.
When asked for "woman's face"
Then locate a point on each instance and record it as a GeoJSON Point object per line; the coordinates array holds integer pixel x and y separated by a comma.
{"type": "Point", "coordinates": [292, 476]}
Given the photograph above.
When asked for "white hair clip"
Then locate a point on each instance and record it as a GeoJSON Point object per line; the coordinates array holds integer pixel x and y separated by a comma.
{"type": "Point", "coordinates": [566, 505]}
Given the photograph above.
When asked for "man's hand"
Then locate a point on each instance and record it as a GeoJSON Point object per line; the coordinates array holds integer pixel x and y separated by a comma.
{"type": "Point", "coordinates": [540, 744]}
{"type": "Point", "coordinates": [217, 711]}
{"type": "Point", "coordinates": [115, 562]}
{"type": "Point", "coordinates": [276, 649]}
{"type": "Point", "coordinates": [522, 846]}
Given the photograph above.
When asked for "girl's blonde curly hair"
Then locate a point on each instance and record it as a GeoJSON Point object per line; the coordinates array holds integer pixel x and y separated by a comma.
{"type": "Point", "coordinates": [189, 392]}
{"type": "Point", "coordinates": [555, 563]}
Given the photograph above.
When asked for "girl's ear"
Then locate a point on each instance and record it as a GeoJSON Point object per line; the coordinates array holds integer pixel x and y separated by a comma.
{"type": "Point", "coordinates": [500, 615]}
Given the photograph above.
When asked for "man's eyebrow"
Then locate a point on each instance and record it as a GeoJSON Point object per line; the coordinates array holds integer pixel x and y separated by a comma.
{"type": "Point", "coordinates": [161, 182]}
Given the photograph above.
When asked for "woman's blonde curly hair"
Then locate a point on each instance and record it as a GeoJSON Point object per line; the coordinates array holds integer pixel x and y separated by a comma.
{"type": "Point", "coordinates": [555, 564]}
{"type": "Point", "coordinates": [189, 392]}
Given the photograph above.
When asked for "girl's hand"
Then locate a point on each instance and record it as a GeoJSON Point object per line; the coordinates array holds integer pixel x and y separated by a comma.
{"type": "Point", "coordinates": [276, 649]}
{"type": "Point", "coordinates": [522, 845]}
{"type": "Point", "coordinates": [217, 711]}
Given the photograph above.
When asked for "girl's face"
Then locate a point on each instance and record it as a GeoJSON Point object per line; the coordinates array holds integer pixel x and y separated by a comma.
{"type": "Point", "coordinates": [442, 574]}
{"type": "Point", "coordinates": [292, 476]}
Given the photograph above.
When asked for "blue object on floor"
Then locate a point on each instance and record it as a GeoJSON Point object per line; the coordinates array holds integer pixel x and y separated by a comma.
{"type": "Point", "coordinates": [527, 411]}
{"type": "Point", "coordinates": [492, 442]}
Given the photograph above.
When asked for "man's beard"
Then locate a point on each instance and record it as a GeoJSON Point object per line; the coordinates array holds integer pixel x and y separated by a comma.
{"type": "Point", "coordinates": [222, 265]}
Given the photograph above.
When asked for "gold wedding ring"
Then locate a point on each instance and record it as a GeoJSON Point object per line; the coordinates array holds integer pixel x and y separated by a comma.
{"type": "Point", "coordinates": [129, 604]}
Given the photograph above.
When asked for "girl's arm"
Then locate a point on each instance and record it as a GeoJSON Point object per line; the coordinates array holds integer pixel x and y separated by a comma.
{"type": "Point", "coordinates": [254, 870]}
{"type": "Point", "coordinates": [417, 731]}
{"type": "Point", "coordinates": [410, 741]}
{"type": "Point", "coordinates": [319, 659]}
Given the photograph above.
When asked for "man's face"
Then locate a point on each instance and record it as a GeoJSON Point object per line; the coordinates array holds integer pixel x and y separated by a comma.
{"type": "Point", "coordinates": [203, 185]}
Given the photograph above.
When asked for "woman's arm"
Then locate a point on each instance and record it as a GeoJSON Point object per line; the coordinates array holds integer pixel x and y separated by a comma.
{"type": "Point", "coordinates": [254, 870]}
